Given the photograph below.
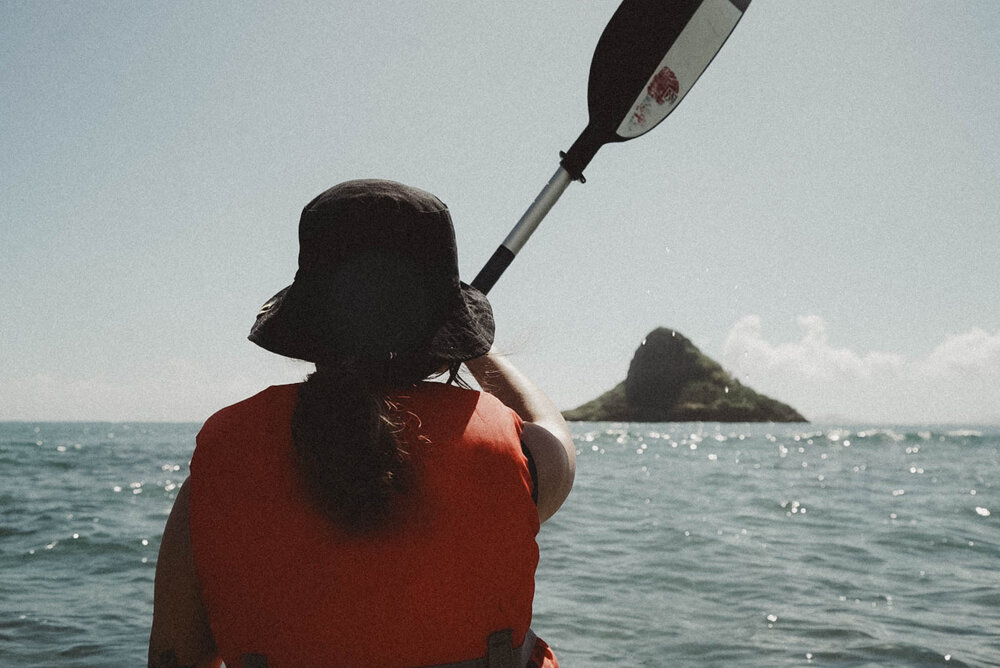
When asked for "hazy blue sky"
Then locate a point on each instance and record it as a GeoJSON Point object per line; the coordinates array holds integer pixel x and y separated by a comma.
{"type": "Point", "coordinates": [819, 214]}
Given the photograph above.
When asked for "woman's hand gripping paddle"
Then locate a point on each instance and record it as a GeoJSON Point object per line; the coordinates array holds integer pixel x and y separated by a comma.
{"type": "Point", "coordinates": [649, 56]}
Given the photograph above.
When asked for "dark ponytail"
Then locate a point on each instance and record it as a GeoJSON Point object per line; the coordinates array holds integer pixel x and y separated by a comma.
{"type": "Point", "coordinates": [345, 434]}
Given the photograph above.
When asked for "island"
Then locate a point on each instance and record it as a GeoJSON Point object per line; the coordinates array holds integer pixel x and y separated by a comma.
{"type": "Point", "coordinates": [671, 380]}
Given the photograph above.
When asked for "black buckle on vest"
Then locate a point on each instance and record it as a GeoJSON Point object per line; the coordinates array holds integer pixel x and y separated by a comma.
{"type": "Point", "coordinates": [254, 661]}
{"type": "Point", "coordinates": [500, 649]}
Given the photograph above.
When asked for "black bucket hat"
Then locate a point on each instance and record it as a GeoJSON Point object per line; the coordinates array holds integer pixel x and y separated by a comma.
{"type": "Point", "coordinates": [377, 279]}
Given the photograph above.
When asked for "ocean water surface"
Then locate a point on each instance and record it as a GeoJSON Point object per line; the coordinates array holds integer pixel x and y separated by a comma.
{"type": "Point", "coordinates": [697, 544]}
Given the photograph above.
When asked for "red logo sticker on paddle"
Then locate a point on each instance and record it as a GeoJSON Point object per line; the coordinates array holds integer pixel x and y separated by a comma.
{"type": "Point", "coordinates": [662, 92]}
{"type": "Point", "coordinates": [664, 87]}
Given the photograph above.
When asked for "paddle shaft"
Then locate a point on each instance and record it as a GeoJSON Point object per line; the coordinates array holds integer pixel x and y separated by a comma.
{"type": "Point", "coordinates": [518, 236]}
{"type": "Point", "coordinates": [649, 56]}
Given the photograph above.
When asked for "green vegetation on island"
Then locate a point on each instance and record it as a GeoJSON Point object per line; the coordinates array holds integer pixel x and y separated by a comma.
{"type": "Point", "coordinates": [670, 380]}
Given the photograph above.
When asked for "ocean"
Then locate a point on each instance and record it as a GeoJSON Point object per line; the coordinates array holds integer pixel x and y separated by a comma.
{"type": "Point", "coordinates": [696, 544]}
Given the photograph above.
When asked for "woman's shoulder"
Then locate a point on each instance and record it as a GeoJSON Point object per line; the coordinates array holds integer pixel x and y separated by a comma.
{"type": "Point", "coordinates": [460, 399]}
{"type": "Point", "coordinates": [274, 397]}
{"type": "Point", "coordinates": [448, 410]}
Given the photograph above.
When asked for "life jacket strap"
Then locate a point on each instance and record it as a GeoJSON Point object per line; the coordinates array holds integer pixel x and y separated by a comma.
{"type": "Point", "coordinates": [500, 653]}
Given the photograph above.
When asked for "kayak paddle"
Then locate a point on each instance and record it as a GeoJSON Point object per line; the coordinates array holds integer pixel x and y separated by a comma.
{"type": "Point", "coordinates": [649, 56]}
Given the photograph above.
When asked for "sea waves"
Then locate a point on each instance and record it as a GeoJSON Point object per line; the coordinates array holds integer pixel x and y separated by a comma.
{"type": "Point", "coordinates": [681, 544]}
{"type": "Point", "coordinates": [767, 545]}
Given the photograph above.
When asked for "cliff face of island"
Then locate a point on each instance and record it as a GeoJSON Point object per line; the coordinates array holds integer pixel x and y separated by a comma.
{"type": "Point", "coordinates": [670, 380]}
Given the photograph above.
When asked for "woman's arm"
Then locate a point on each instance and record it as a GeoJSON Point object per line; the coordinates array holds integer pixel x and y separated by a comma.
{"type": "Point", "coordinates": [181, 635]}
{"type": "Point", "coordinates": [546, 434]}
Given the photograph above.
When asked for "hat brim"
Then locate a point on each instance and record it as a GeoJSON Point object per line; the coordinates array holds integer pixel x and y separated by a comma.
{"type": "Point", "coordinates": [468, 332]}
{"type": "Point", "coordinates": [286, 325]}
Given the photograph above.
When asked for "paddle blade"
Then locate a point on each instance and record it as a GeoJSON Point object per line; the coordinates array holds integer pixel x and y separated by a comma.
{"type": "Point", "coordinates": [650, 55]}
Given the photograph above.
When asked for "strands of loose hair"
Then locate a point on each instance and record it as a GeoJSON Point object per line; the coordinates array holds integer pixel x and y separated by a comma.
{"type": "Point", "coordinates": [345, 433]}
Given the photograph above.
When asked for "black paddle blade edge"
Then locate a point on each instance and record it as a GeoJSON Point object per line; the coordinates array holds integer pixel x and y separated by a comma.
{"type": "Point", "coordinates": [632, 46]}
{"type": "Point", "coordinates": [630, 50]}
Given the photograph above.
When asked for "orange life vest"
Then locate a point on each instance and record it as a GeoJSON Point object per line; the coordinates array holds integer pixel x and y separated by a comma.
{"type": "Point", "coordinates": [279, 579]}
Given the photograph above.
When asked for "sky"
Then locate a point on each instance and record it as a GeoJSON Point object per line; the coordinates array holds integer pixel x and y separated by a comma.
{"type": "Point", "coordinates": [819, 214]}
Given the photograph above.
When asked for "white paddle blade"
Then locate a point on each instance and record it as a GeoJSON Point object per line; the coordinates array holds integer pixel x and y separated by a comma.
{"type": "Point", "coordinates": [684, 62]}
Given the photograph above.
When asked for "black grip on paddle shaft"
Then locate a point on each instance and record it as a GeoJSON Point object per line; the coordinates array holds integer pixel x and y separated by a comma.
{"type": "Point", "coordinates": [488, 275]}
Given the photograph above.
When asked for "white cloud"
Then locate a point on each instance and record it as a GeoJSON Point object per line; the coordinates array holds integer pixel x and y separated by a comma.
{"type": "Point", "coordinates": [959, 381]}
{"type": "Point", "coordinates": [170, 390]}
{"type": "Point", "coordinates": [975, 353]}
